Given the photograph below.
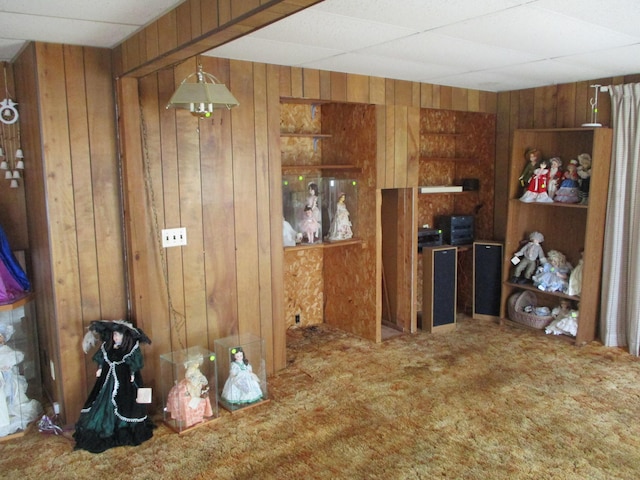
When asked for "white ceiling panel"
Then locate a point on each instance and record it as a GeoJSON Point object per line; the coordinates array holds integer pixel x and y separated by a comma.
{"type": "Point", "coordinates": [492, 45]}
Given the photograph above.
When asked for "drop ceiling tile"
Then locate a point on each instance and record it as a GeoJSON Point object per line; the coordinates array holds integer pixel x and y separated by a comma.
{"type": "Point", "coordinates": [550, 72]}
{"type": "Point", "coordinates": [271, 51]}
{"type": "Point", "coordinates": [537, 32]}
{"type": "Point", "coordinates": [326, 30]}
{"type": "Point", "coordinates": [444, 50]}
{"type": "Point", "coordinates": [129, 12]}
{"type": "Point", "coordinates": [614, 61]}
{"type": "Point", "coordinates": [620, 15]}
{"type": "Point", "coordinates": [63, 30]}
{"type": "Point", "coordinates": [380, 67]}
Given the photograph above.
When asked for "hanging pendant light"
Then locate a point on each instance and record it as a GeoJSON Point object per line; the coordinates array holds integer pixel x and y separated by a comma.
{"type": "Point", "coordinates": [202, 97]}
{"type": "Point", "coordinates": [13, 184]}
{"type": "Point", "coordinates": [4, 165]}
{"type": "Point", "coordinates": [16, 174]}
{"type": "Point", "coordinates": [7, 175]}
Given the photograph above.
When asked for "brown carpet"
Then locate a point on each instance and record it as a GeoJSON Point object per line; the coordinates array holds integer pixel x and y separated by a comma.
{"type": "Point", "coordinates": [483, 402]}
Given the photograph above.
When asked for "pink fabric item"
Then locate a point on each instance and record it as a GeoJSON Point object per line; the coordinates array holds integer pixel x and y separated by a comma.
{"type": "Point", "coordinates": [10, 289]}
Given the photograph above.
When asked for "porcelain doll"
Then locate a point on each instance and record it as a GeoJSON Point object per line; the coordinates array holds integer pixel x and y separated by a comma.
{"type": "Point", "coordinates": [568, 191]}
{"type": "Point", "coordinates": [537, 188]}
{"type": "Point", "coordinates": [111, 417]}
{"type": "Point", "coordinates": [313, 201]}
{"type": "Point", "coordinates": [553, 276]}
{"type": "Point", "coordinates": [309, 225]}
{"type": "Point", "coordinates": [584, 173]}
{"type": "Point", "coordinates": [532, 157]}
{"type": "Point", "coordinates": [555, 176]}
{"type": "Point", "coordinates": [527, 259]}
{"type": "Point", "coordinates": [565, 324]}
{"type": "Point", "coordinates": [340, 228]}
{"type": "Point", "coordinates": [188, 401]}
{"type": "Point", "coordinates": [16, 409]}
{"type": "Point", "coordinates": [242, 386]}
{"type": "Point", "coordinates": [575, 279]}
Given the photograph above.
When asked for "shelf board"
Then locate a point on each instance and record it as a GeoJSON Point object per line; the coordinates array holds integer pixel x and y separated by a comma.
{"type": "Point", "coordinates": [551, 204]}
{"type": "Point", "coordinates": [444, 134]}
{"type": "Point", "coordinates": [307, 168]}
{"type": "Point", "coordinates": [530, 287]}
{"type": "Point", "coordinates": [305, 135]}
{"type": "Point", "coordinates": [341, 243]}
{"type": "Point", "coordinates": [447, 159]}
{"type": "Point", "coordinates": [17, 303]}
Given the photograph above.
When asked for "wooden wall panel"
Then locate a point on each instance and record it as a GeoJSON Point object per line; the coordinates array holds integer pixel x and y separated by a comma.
{"type": "Point", "coordinates": [13, 210]}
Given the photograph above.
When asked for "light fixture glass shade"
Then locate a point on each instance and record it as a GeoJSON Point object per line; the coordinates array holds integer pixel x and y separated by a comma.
{"type": "Point", "coordinates": [16, 174]}
{"type": "Point", "coordinates": [20, 165]}
{"type": "Point", "coordinates": [19, 153]}
{"type": "Point", "coordinates": [13, 184]}
{"type": "Point", "coordinates": [7, 175]}
{"type": "Point", "coordinates": [1, 152]}
{"type": "Point", "coordinates": [203, 97]}
{"type": "Point", "coordinates": [4, 165]}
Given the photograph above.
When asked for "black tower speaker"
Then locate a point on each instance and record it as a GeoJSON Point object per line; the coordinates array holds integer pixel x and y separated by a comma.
{"type": "Point", "coordinates": [487, 279]}
{"type": "Point", "coordinates": [439, 286]}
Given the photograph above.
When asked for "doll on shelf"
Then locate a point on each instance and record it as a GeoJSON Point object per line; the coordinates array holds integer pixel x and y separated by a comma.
{"type": "Point", "coordinates": [584, 173]}
{"type": "Point", "coordinates": [340, 228]}
{"type": "Point", "coordinates": [527, 258]}
{"type": "Point", "coordinates": [553, 276]}
{"type": "Point", "coordinates": [555, 176]}
{"type": "Point", "coordinates": [575, 279]}
{"type": "Point", "coordinates": [313, 201]}
{"type": "Point", "coordinates": [188, 401]}
{"type": "Point", "coordinates": [310, 225]}
{"type": "Point", "coordinates": [532, 157]}
{"type": "Point", "coordinates": [16, 409]}
{"type": "Point", "coordinates": [242, 386]}
{"type": "Point", "coordinates": [537, 188]}
{"type": "Point", "coordinates": [568, 191]}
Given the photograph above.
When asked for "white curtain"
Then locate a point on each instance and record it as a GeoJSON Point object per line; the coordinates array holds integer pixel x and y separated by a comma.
{"type": "Point", "coordinates": [620, 313]}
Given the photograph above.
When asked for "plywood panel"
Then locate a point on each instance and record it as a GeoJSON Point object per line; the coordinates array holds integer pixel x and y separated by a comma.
{"type": "Point", "coordinates": [304, 286]}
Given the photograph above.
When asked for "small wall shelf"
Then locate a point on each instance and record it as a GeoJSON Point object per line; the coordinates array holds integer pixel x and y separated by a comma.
{"type": "Point", "coordinates": [341, 243]}
{"type": "Point", "coordinates": [307, 168]}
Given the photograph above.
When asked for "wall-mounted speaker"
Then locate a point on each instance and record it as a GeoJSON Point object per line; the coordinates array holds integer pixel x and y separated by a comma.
{"type": "Point", "coordinates": [439, 285]}
{"type": "Point", "coordinates": [487, 279]}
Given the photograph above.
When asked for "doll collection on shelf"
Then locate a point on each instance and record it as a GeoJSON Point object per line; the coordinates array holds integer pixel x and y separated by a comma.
{"type": "Point", "coordinates": [317, 210]}
{"type": "Point", "coordinates": [550, 272]}
{"type": "Point", "coordinates": [552, 180]}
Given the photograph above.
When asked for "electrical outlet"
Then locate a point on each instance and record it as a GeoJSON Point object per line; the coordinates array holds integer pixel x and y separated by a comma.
{"type": "Point", "coordinates": [174, 237]}
{"type": "Point", "coordinates": [297, 319]}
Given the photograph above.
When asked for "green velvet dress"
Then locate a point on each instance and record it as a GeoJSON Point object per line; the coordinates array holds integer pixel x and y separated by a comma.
{"type": "Point", "coordinates": [111, 417]}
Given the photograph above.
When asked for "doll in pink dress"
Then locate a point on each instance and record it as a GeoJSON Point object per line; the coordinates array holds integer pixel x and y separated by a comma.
{"type": "Point", "coordinates": [310, 226]}
{"type": "Point", "coordinates": [188, 400]}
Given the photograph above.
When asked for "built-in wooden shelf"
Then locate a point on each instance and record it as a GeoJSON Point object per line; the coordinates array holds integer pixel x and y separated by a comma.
{"type": "Point", "coordinates": [341, 243]}
{"type": "Point", "coordinates": [305, 135]}
{"type": "Point", "coordinates": [6, 307]}
{"type": "Point", "coordinates": [529, 286]}
{"type": "Point", "coordinates": [552, 204]}
{"type": "Point", "coordinates": [307, 168]}
{"type": "Point", "coordinates": [448, 159]}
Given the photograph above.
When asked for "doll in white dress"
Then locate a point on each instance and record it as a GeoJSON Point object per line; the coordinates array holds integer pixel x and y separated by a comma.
{"type": "Point", "coordinates": [340, 228]}
{"type": "Point", "coordinates": [242, 386]}
{"type": "Point", "coordinates": [16, 409]}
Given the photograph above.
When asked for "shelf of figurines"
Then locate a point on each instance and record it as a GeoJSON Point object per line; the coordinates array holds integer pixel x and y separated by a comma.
{"type": "Point", "coordinates": [319, 212]}
{"type": "Point", "coordinates": [553, 204]}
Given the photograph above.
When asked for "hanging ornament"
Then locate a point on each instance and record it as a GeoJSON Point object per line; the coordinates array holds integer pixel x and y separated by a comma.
{"type": "Point", "coordinates": [8, 111]}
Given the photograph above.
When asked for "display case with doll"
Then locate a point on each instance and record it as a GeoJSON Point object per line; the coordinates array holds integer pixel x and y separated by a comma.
{"type": "Point", "coordinates": [189, 385]}
{"type": "Point", "coordinates": [20, 384]}
{"type": "Point", "coordinates": [301, 209]}
{"type": "Point", "coordinates": [242, 371]}
{"type": "Point", "coordinates": [339, 209]}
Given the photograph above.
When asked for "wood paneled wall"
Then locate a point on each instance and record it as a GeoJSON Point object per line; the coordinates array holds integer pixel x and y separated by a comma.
{"type": "Point", "coordinates": [73, 205]}
{"type": "Point", "coordinates": [13, 211]}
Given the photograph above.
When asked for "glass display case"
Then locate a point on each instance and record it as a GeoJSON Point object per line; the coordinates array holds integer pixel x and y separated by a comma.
{"type": "Point", "coordinates": [20, 382]}
{"type": "Point", "coordinates": [188, 384]}
{"type": "Point", "coordinates": [339, 208]}
{"type": "Point", "coordinates": [242, 371]}
{"type": "Point", "coordinates": [318, 209]}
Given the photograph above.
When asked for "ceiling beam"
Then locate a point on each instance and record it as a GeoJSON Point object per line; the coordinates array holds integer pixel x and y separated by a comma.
{"type": "Point", "coordinates": [194, 27]}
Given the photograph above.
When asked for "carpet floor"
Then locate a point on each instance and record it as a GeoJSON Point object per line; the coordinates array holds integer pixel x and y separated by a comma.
{"type": "Point", "coordinates": [482, 402]}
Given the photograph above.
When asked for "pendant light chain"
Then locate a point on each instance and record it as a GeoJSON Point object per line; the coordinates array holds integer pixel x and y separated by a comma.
{"type": "Point", "coordinates": [176, 318]}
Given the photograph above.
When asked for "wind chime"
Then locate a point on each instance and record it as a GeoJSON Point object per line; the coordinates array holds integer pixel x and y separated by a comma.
{"type": "Point", "coordinates": [10, 131]}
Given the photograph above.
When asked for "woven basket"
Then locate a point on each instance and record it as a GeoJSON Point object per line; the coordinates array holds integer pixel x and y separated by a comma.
{"type": "Point", "coordinates": [516, 304]}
